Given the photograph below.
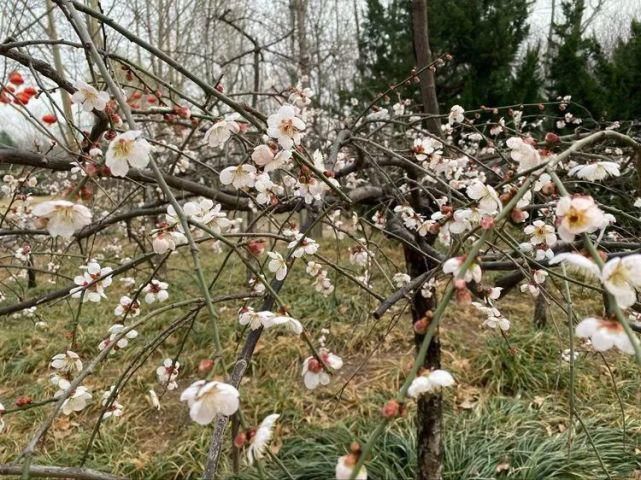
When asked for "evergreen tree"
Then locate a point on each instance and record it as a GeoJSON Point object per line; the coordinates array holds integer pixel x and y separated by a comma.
{"type": "Point", "coordinates": [621, 77]}
{"type": "Point", "coordinates": [484, 36]}
{"type": "Point", "coordinates": [573, 61]}
{"type": "Point", "coordinates": [527, 84]}
{"type": "Point", "coordinates": [386, 47]}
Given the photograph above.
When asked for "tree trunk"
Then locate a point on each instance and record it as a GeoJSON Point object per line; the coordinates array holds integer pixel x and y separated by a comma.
{"type": "Point", "coordinates": [423, 57]}
{"type": "Point", "coordinates": [540, 317]}
{"type": "Point", "coordinates": [429, 447]}
{"type": "Point", "coordinates": [429, 416]}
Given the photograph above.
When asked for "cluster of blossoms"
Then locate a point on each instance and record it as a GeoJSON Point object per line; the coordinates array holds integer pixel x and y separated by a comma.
{"type": "Point", "coordinates": [322, 283]}
{"type": "Point", "coordinates": [92, 283]}
{"type": "Point", "coordinates": [167, 373]}
{"type": "Point", "coordinates": [118, 338]}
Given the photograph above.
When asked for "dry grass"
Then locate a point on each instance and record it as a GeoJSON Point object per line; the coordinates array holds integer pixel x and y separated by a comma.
{"type": "Point", "coordinates": [523, 386]}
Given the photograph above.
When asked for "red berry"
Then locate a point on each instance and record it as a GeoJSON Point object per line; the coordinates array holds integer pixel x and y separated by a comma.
{"type": "Point", "coordinates": [49, 118]}
{"type": "Point", "coordinates": [16, 78]}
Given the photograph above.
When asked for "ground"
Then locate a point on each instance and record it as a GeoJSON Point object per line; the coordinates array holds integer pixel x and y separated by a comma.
{"type": "Point", "coordinates": [508, 417]}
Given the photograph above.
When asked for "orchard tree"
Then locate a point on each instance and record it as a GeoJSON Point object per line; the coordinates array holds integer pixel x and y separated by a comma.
{"type": "Point", "coordinates": [169, 163]}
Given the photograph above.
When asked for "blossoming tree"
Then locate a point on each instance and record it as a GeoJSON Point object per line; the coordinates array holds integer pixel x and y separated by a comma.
{"type": "Point", "coordinates": [199, 169]}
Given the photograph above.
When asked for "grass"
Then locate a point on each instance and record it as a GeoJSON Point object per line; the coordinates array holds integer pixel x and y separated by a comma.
{"type": "Point", "coordinates": [508, 416]}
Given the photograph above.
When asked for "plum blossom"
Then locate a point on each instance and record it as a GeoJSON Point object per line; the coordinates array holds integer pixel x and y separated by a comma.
{"type": "Point", "coordinates": [314, 373]}
{"type": "Point", "coordinates": [267, 191]}
{"type": "Point", "coordinates": [115, 409]}
{"type": "Point", "coordinates": [576, 215]}
{"type": "Point", "coordinates": [285, 126]}
{"type": "Point", "coordinates": [265, 157]}
{"type": "Point", "coordinates": [267, 319]}
{"type": "Point", "coordinates": [578, 263]}
{"type": "Point", "coordinates": [220, 132]}
{"type": "Point", "coordinates": [61, 218]}
{"type": "Point", "coordinates": [239, 176]}
{"type": "Point", "coordinates": [454, 264]}
{"type": "Point", "coordinates": [426, 147]}
{"type": "Point", "coordinates": [401, 279]}
{"type": "Point", "coordinates": [208, 399]}
{"type": "Point", "coordinates": [430, 382]}
{"type": "Point", "coordinates": [75, 402]}
{"type": "Point", "coordinates": [456, 115]}
{"type": "Point", "coordinates": [277, 265]}
{"type": "Point", "coordinates": [261, 438]}
{"type": "Point", "coordinates": [127, 306]}
{"type": "Point", "coordinates": [494, 318]}
{"type": "Point", "coordinates": [621, 276]}
{"type": "Point", "coordinates": [595, 171]}
{"type": "Point", "coordinates": [541, 233]}
{"type": "Point", "coordinates": [68, 362]}
{"type": "Point", "coordinates": [93, 283]}
{"type": "Point", "coordinates": [486, 196]}
{"type": "Point", "coordinates": [127, 150]}
{"type": "Point", "coordinates": [156, 291]}
{"type": "Point", "coordinates": [360, 255]}
{"type": "Point", "coordinates": [345, 468]}
{"type": "Point", "coordinates": [604, 334]}
{"type": "Point", "coordinates": [523, 153]}
{"type": "Point", "coordinates": [114, 332]}
{"type": "Point", "coordinates": [167, 239]}
{"type": "Point", "coordinates": [303, 245]}
{"type": "Point", "coordinates": [88, 97]}
{"type": "Point", "coordinates": [167, 373]}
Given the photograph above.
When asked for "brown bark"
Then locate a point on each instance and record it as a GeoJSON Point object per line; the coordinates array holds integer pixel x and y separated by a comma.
{"type": "Point", "coordinates": [429, 415]}
{"type": "Point", "coordinates": [423, 57]}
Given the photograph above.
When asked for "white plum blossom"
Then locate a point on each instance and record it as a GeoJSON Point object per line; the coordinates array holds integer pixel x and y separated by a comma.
{"type": "Point", "coordinates": [604, 334]}
{"type": "Point", "coordinates": [261, 438]}
{"type": "Point", "coordinates": [345, 468]}
{"type": "Point", "coordinates": [494, 318]}
{"type": "Point", "coordinates": [166, 240]}
{"type": "Point", "coordinates": [127, 306]}
{"type": "Point", "coordinates": [401, 279]}
{"type": "Point", "coordinates": [156, 291]}
{"type": "Point", "coordinates": [93, 283]}
{"type": "Point", "coordinates": [167, 373]}
{"type": "Point", "coordinates": [267, 191]}
{"type": "Point", "coordinates": [239, 176]}
{"type": "Point", "coordinates": [621, 276]}
{"type": "Point", "coordinates": [114, 332]}
{"type": "Point", "coordinates": [267, 319]}
{"type": "Point", "coordinates": [115, 409]}
{"type": "Point", "coordinates": [208, 399]}
{"type": "Point", "coordinates": [61, 218]}
{"type": "Point", "coordinates": [265, 157]}
{"type": "Point", "coordinates": [68, 362]}
{"type": "Point", "coordinates": [576, 215]}
{"type": "Point", "coordinates": [426, 147]}
{"type": "Point", "coordinates": [453, 265]}
{"type": "Point", "coordinates": [430, 382]}
{"type": "Point", "coordinates": [523, 153]}
{"type": "Point", "coordinates": [220, 132]}
{"type": "Point", "coordinates": [277, 265]}
{"type": "Point", "coordinates": [127, 150]}
{"type": "Point", "coordinates": [595, 171]}
{"type": "Point", "coordinates": [76, 401]}
{"type": "Point", "coordinates": [314, 373]}
{"type": "Point", "coordinates": [360, 255]}
{"type": "Point", "coordinates": [203, 211]}
{"type": "Point", "coordinates": [541, 233]}
{"type": "Point", "coordinates": [578, 263]}
{"type": "Point", "coordinates": [303, 245]}
{"type": "Point", "coordinates": [456, 115]}
{"type": "Point", "coordinates": [286, 127]}
{"type": "Point", "coordinates": [486, 196]}
{"type": "Point", "coordinates": [88, 97]}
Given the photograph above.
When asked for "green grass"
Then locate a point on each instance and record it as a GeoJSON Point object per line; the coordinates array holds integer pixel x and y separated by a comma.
{"type": "Point", "coordinates": [510, 407]}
